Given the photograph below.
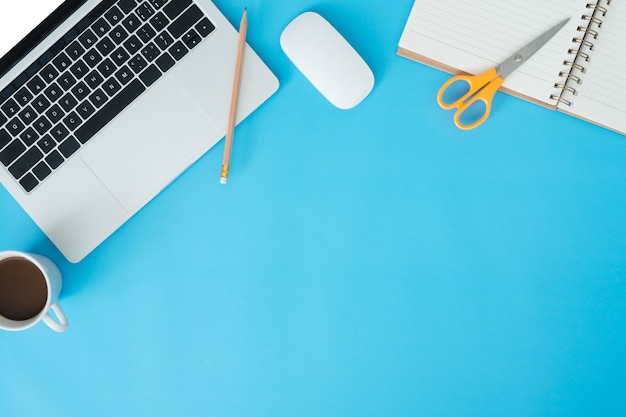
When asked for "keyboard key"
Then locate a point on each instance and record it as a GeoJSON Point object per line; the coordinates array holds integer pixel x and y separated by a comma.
{"type": "Point", "coordinates": [55, 159]}
{"type": "Point", "coordinates": [109, 111]}
{"type": "Point", "coordinates": [25, 162]}
{"type": "Point", "coordinates": [118, 34]}
{"type": "Point", "coordinates": [133, 44]}
{"type": "Point", "coordinates": [29, 136]}
{"type": "Point", "coordinates": [55, 113]}
{"type": "Point", "coordinates": [111, 86]}
{"type": "Point", "coordinates": [80, 91]}
{"type": "Point", "coordinates": [59, 132]}
{"type": "Point", "coordinates": [42, 170]}
{"type": "Point", "coordinates": [46, 143]}
{"type": "Point", "coordinates": [66, 81]}
{"type": "Point", "coordinates": [92, 58]}
{"type": "Point", "coordinates": [146, 33]}
{"type": "Point", "coordinates": [185, 21]}
{"type": "Point", "coordinates": [79, 69]}
{"type": "Point", "coordinates": [88, 39]}
{"type": "Point", "coordinates": [106, 68]}
{"type": "Point", "coordinates": [127, 5]}
{"type": "Point", "coordinates": [42, 125]}
{"type": "Point", "coordinates": [114, 15]}
{"type": "Point", "coordinates": [62, 62]}
{"type": "Point", "coordinates": [15, 126]}
{"type": "Point", "coordinates": [29, 182]}
{"type": "Point", "coordinates": [72, 121]}
{"type": "Point", "coordinates": [98, 98]}
{"type": "Point", "coordinates": [124, 75]}
{"type": "Point", "coordinates": [40, 104]}
{"type": "Point", "coordinates": [27, 115]}
{"type": "Point", "coordinates": [137, 64]}
{"type": "Point", "coordinates": [68, 102]}
{"type": "Point", "coordinates": [150, 52]}
{"type": "Point", "coordinates": [94, 79]}
{"type": "Point", "coordinates": [157, 4]}
{"type": "Point", "coordinates": [10, 107]}
{"type": "Point", "coordinates": [49, 73]}
{"type": "Point", "coordinates": [105, 46]}
{"type": "Point", "coordinates": [175, 7]}
{"type": "Point", "coordinates": [53, 92]}
{"type": "Point", "coordinates": [75, 50]}
{"type": "Point", "coordinates": [150, 75]}
{"type": "Point", "coordinates": [12, 152]}
{"type": "Point", "coordinates": [69, 146]}
{"type": "Point", "coordinates": [131, 23]}
{"type": "Point", "coordinates": [85, 109]}
{"type": "Point", "coordinates": [164, 40]}
{"type": "Point", "coordinates": [159, 21]}
{"type": "Point", "coordinates": [101, 27]}
{"type": "Point", "coordinates": [144, 11]}
{"type": "Point", "coordinates": [191, 39]}
{"type": "Point", "coordinates": [36, 85]}
{"type": "Point", "coordinates": [120, 56]}
{"type": "Point", "coordinates": [3, 119]}
{"type": "Point", "coordinates": [165, 62]}
{"type": "Point", "coordinates": [204, 27]}
{"type": "Point", "coordinates": [178, 50]}
{"type": "Point", "coordinates": [23, 96]}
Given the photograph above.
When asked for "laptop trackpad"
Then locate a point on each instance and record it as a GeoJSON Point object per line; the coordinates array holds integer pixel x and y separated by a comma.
{"type": "Point", "coordinates": [150, 143]}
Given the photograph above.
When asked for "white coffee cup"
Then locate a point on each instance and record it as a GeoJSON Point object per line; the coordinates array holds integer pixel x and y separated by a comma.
{"type": "Point", "coordinates": [30, 286]}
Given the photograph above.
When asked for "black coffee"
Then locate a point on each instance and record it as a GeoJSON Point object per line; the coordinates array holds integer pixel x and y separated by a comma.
{"type": "Point", "coordinates": [23, 289]}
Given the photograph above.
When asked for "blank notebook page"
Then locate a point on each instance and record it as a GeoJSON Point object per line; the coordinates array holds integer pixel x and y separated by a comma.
{"type": "Point", "coordinates": [475, 36]}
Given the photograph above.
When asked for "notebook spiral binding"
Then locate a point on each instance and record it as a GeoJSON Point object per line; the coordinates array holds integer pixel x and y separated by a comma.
{"type": "Point", "coordinates": [570, 76]}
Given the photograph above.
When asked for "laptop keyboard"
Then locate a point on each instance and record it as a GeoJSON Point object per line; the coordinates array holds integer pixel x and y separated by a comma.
{"type": "Point", "coordinates": [88, 77]}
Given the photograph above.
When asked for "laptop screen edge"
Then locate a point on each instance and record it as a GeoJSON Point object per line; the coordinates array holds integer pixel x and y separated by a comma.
{"type": "Point", "coordinates": [38, 34]}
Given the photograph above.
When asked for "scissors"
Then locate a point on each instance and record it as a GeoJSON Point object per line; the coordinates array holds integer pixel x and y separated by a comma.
{"type": "Point", "coordinates": [483, 87]}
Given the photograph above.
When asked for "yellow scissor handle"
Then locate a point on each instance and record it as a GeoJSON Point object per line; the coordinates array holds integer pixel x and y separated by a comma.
{"type": "Point", "coordinates": [482, 87]}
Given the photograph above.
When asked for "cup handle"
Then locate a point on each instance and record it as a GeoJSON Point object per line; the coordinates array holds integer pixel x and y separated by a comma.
{"type": "Point", "coordinates": [61, 324]}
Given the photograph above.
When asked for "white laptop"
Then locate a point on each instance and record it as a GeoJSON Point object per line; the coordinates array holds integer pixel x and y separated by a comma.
{"type": "Point", "coordinates": [104, 102]}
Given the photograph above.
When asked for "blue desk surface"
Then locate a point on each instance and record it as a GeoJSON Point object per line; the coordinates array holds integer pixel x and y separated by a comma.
{"type": "Point", "coordinates": [370, 262]}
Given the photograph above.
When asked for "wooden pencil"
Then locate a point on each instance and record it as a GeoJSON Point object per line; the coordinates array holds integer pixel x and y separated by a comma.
{"type": "Point", "coordinates": [243, 28]}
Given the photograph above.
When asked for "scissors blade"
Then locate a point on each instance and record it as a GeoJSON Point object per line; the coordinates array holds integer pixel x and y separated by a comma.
{"type": "Point", "coordinates": [521, 56]}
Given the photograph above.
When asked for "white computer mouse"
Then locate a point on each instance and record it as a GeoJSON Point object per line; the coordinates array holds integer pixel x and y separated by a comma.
{"type": "Point", "coordinates": [327, 60]}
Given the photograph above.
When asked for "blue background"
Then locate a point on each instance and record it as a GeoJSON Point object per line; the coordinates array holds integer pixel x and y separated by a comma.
{"type": "Point", "coordinates": [370, 262]}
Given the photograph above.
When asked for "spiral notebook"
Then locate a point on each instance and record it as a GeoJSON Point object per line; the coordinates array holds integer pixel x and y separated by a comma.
{"type": "Point", "coordinates": [580, 71]}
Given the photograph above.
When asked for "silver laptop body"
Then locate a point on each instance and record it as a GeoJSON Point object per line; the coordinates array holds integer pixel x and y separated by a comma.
{"type": "Point", "coordinates": [127, 161]}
